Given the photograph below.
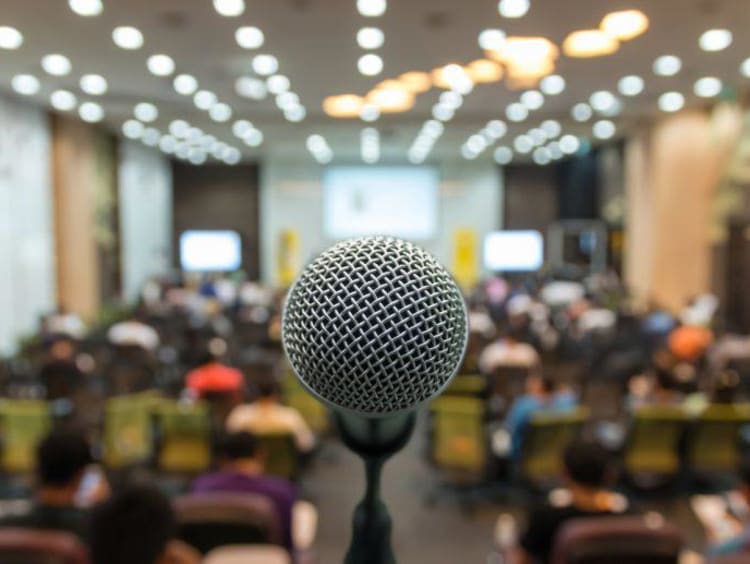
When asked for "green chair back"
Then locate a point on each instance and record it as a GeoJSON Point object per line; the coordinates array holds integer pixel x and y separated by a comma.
{"type": "Point", "coordinates": [311, 409]}
{"type": "Point", "coordinates": [184, 431]}
{"type": "Point", "coordinates": [467, 385]}
{"type": "Point", "coordinates": [713, 443]}
{"type": "Point", "coordinates": [652, 446]}
{"type": "Point", "coordinates": [128, 432]}
{"type": "Point", "coordinates": [545, 439]}
{"type": "Point", "coordinates": [458, 442]}
{"type": "Point", "coordinates": [23, 424]}
{"type": "Point", "coordinates": [281, 456]}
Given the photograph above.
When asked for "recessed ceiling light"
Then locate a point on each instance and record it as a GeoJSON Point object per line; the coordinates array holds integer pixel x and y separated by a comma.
{"type": "Point", "coordinates": [391, 99]}
{"type": "Point", "coordinates": [204, 99]}
{"type": "Point", "coordinates": [551, 128]}
{"type": "Point", "coordinates": [497, 128]}
{"type": "Point", "coordinates": [146, 112]}
{"type": "Point", "coordinates": [296, 113]}
{"type": "Point", "coordinates": [63, 100]}
{"type": "Point", "coordinates": [151, 136]}
{"type": "Point", "coordinates": [250, 87]}
{"type": "Point", "coordinates": [229, 8]}
{"type": "Point", "coordinates": [604, 129]}
{"type": "Point", "coordinates": [581, 112]}
{"type": "Point", "coordinates": [554, 150]}
{"type": "Point", "coordinates": [91, 112]}
{"type": "Point", "coordinates": [185, 84]}
{"type": "Point", "coordinates": [56, 64]}
{"type": "Point", "coordinates": [249, 37]}
{"type": "Point", "coordinates": [277, 84]}
{"type": "Point", "coordinates": [220, 112]}
{"type": "Point", "coordinates": [569, 144]}
{"type": "Point", "coordinates": [603, 101]}
{"type": "Point", "coordinates": [372, 8]}
{"type": "Point", "coordinates": [369, 113]}
{"type": "Point", "coordinates": [443, 112]}
{"type": "Point", "coordinates": [492, 39]}
{"type": "Point", "coordinates": [133, 129]}
{"type": "Point", "coordinates": [745, 67]}
{"type": "Point", "coordinates": [667, 65]}
{"type": "Point", "coordinates": [589, 43]}
{"type": "Point", "coordinates": [715, 39]}
{"type": "Point", "coordinates": [541, 156]}
{"type": "Point", "coordinates": [416, 81]}
{"type": "Point", "coordinates": [484, 71]}
{"type": "Point", "coordinates": [197, 156]}
{"type": "Point", "coordinates": [93, 84]}
{"type": "Point", "coordinates": [552, 85]}
{"type": "Point", "coordinates": [503, 155]}
{"type": "Point", "coordinates": [265, 65]}
{"type": "Point", "coordinates": [10, 37]}
{"type": "Point", "coordinates": [671, 101]}
{"type": "Point", "coordinates": [25, 84]}
{"type": "Point", "coordinates": [370, 64]}
{"type": "Point", "coordinates": [453, 100]}
{"type": "Point", "coordinates": [253, 138]}
{"type": "Point", "coordinates": [532, 99]}
{"type": "Point", "coordinates": [707, 87]}
{"type": "Point", "coordinates": [513, 8]}
{"type": "Point", "coordinates": [232, 156]}
{"type": "Point", "coordinates": [370, 38]}
{"type": "Point", "coordinates": [538, 136]}
{"type": "Point", "coordinates": [86, 8]}
{"type": "Point", "coordinates": [287, 100]}
{"type": "Point", "coordinates": [240, 127]}
{"type": "Point", "coordinates": [179, 128]}
{"type": "Point", "coordinates": [630, 85]}
{"type": "Point", "coordinates": [160, 65]}
{"type": "Point", "coordinates": [516, 112]}
{"type": "Point", "coordinates": [127, 37]}
{"type": "Point", "coordinates": [523, 144]}
{"type": "Point", "coordinates": [625, 25]}
{"type": "Point", "coordinates": [343, 106]}
{"type": "Point", "coordinates": [168, 144]}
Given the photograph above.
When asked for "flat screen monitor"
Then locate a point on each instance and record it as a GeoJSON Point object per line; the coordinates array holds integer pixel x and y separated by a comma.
{"type": "Point", "coordinates": [210, 251]}
{"type": "Point", "coordinates": [514, 251]}
{"type": "Point", "coordinates": [401, 201]}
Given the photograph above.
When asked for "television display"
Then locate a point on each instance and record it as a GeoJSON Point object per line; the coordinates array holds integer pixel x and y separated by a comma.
{"type": "Point", "coordinates": [514, 251]}
{"type": "Point", "coordinates": [210, 251]}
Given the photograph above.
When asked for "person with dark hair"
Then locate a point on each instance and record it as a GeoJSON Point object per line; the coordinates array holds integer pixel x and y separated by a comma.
{"type": "Point", "coordinates": [241, 471]}
{"type": "Point", "coordinates": [138, 526]}
{"type": "Point", "coordinates": [213, 376]}
{"type": "Point", "coordinates": [67, 484]}
{"type": "Point", "coordinates": [268, 415]}
{"type": "Point", "coordinates": [733, 528]}
{"type": "Point", "coordinates": [61, 374]}
{"type": "Point", "coordinates": [588, 475]}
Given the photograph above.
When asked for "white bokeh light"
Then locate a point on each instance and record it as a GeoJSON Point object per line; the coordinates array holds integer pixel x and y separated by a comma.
{"type": "Point", "coordinates": [370, 64]}
{"type": "Point", "coordinates": [249, 37]}
{"type": "Point", "coordinates": [93, 84]}
{"type": "Point", "coordinates": [25, 84]}
{"type": "Point", "coordinates": [56, 64]}
{"type": "Point", "coordinates": [91, 112]}
{"type": "Point", "coordinates": [229, 8]}
{"type": "Point", "coordinates": [86, 8]}
{"type": "Point", "coordinates": [63, 100]}
{"type": "Point", "coordinates": [160, 65]}
{"type": "Point", "coordinates": [671, 101]}
{"type": "Point", "coordinates": [667, 65]}
{"type": "Point", "coordinates": [127, 37]}
{"type": "Point", "coordinates": [630, 85]}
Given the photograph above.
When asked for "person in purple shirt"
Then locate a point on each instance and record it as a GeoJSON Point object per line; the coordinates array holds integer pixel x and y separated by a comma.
{"type": "Point", "coordinates": [241, 471]}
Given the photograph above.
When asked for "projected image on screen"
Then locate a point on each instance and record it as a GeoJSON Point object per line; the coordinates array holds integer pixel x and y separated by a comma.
{"type": "Point", "coordinates": [397, 201]}
{"type": "Point", "coordinates": [514, 251]}
{"type": "Point", "coordinates": [210, 251]}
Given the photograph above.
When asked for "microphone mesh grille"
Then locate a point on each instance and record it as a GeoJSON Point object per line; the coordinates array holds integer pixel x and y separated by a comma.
{"type": "Point", "coordinates": [375, 325]}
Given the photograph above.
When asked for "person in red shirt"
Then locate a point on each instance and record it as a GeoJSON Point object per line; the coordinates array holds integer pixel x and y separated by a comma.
{"type": "Point", "coordinates": [212, 376]}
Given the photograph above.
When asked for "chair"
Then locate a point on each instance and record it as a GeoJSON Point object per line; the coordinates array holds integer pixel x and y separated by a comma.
{"type": "Point", "coordinates": [651, 454]}
{"type": "Point", "coordinates": [545, 439]}
{"type": "Point", "coordinates": [282, 458]}
{"type": "Point", "coordinates": [131, 370]}
{"type": "Point", "coordinates": [625, 540]}
{"type": "Point", "coordinates": [713, 440]}
{"type": "Point", "coordinates": [28, 546]}
{"type": "Point", "coordinates": [473, 385]}
{"type": "Point", "coordinates": [458, 443]}
{"type": "Point", "coordinates": [23, 424]}
{"type": "Point", "coordinates": [128, 433]}
{"type": "Point", "coordinates": [210, 520]}
{"type": "Point", "coordinates": [184, 437]}
{"type": "Point", "coordinates": [312, 410]}
{"type": "Point", "coordinates": [248, 554]}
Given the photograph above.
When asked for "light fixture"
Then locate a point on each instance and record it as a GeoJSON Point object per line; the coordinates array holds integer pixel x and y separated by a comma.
{"type": "Point", "coordinates": [433, 128]}
{"type": "Point", "coordinates": [91, 112]}
{"type": "Point", "coordinates": [343, 106]}
{"type": "Point", "coordinates": [287, 100]}
{"type": "Point", "coordinates": [240, 127]}
{"type": "Point", "coordinates": [168, 144]}
{"type": "Point", "coordinates": [552, 85]}
{"type": "Point", "coordinates": [707, 87]}
{"type": "Point", "coordinates": [369, 113]}
{"type": "Point", "coordinates": [523, 144]}
{"type": "Point", "coordinates": [133, 129]}
{"type": "Point", "coordinates": [160, 65]}
{"type": "Point", "coordinates": [179, 128]}
{"type": "Point", "coordinates": [232, 156]}
{"type": "Point", "coordinates": [371, 8]}
{"type": "Point", "coordinates": [370, 64]}
{"type": "Point", "coordinates": [603, 101]}
{"type": "Point", "coordinates": [604, 129]}
{"type": "Point", "coordinates": [538, 136]}
{"type": "Point", "coordinates": [715, 39]}
{"type": "Point", "coordinates": [151, 136]}
{"type": "Point", "coordinates": [491, 39]}
{"type": "Point", "coordinates": [589, 43]}
{"type": "Point", "coordinates": [145, 112]}
{"type": "Point", "coordinates": [251, 87]}
{"type": "Point", "coordinates": [581, 112]}
{"type": "Point", "coordinates": [452, 77]}
{"type": "Point", "coordinates": [277, 84]}
{"type": "Point", "coordinates": [25, 84]}
{"type": "Point", "coordinates": [249, 37]}
{"type": "Point", "coordinates": [56, 64]}
{"type": "Point", "coordinates": [516, 112]}
{"type": "Point", "coordinates": [127, 37]}
{"type": "Point", "coordinates": [745, 68]}
{"type": "Point", "coordinates": [484, 71]}
{"type": "Point", "coordinates": [630, 85]}
{"type": "Point", "coordinates": [370, 145]}
{"type": "Point", "coordinates": [295, 113]}
{"type": "Point", "coordinates": [416, 81]}
{"type": "Point", "coordinates": [370, 38]}
{"type": "Point", "coordinates": [569, 144]}
{"type": "Point", "coordinates": [541, 156]}
{"type": "Point", "coordinates": [220, 112]}
{"type": "Point", "coordinates": [391, 99]}
{"type": "Point", "coordinates": [265, 65]}
{"type": "Point", "coordinates": [10, 37]}
{"type": "Point", "coordinates": [496, 128]}
{"type": "Point", "coordinates": [229, 8]}
{"type": "Point", "coordinates": [667, 65]}
{"type": "Point", "coordinates": [527, 59]}
{"type": "Point", "coordinates": [671, 101]}
{"type": "Point", "coordinates": [86, 8]}
{"type": "Point", "coordinates": [93, 84]}
{"type": "Point", "coordinates": [204, 99]}
{"type": "Point", "coordinates": [513, 8]}
{"type": "Point", "coordinates": [443, 112]}
{"type": "Point", "coordinates": [253, 137]}
{"type": "Point", "coordinates": [554, 150]}
{"type": "Point", "coordinates": [625, 25]}
{"type": "Point", "coordinates": [532, 99]}
{"type": "Point", "coordinates": [185, 84]}
{"type": "Point", "coordinates": [63, 100]}
{"type": "Point", "coordinates": [503, 155]}
{"type": "Point", "coordinates": [551, 128]}
{"type": "Point", "coordinates": [451, 99]}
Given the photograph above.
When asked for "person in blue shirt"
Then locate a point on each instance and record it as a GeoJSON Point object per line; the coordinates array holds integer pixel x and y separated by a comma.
{"type": "Point", "coordinates": [740, 543]}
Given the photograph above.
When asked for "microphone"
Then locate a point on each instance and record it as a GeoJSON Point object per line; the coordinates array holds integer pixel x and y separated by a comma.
{"type": "Point", "coordinates": [374, 327]}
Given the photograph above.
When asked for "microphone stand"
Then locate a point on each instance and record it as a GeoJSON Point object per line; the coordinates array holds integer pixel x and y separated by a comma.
{"type": "Point", "coordinates": [375, 441]}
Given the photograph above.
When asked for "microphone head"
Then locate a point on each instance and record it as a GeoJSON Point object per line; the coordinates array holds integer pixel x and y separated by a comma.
{"type": "Point", "coordinates": [375, 326]}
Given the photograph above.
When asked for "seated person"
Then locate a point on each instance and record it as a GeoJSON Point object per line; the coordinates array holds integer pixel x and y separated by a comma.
{"type": "Point", "coordinates": [739, 543]}
{"type": "Point", "coordinates": [134, 332]}
{"type": "Point", "coordinates": [61, 497]}
{"type": "Point", "coordinates": [588, 473]}
{"type": "Point", "coordinates": [241, 471]}
{"type": "Point", "coordinates": [138, 526]}
{"type": "Point", "coordinates": [509, 351]}
{"type": "Point", "coordinates": [268, 415]}
{"type": "Point", "coordinates": [61, 373]}
{"type": "Point", "coordinates": [212, 376]}
{"type": "Point", "coordinates": [659, 390]}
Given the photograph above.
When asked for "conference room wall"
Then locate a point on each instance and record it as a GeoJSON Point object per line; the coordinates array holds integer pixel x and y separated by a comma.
{"type": "Point", "coordinates": [27, 280]}
{"type": "Point", "coordinates": [471, 196]}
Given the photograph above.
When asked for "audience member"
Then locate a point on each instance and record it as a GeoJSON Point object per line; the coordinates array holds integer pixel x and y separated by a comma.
{"type": "Point", "coordinates": [588, 475]}
{"type": "Point", "coordinates": [134, 331]}
{"type": "Point", "coordinates": [241, 471]}
{"type": "Point", "coordinates": [268, 415]}
{"type": "Point", "coordinates": [508, 351]}
{"type": "Point", "coordinates": [63, 323]}
{"type": "Point", "coordinates": [138, 526]}
{"type": "Point", "coordinates": [739, 543]}
{"type": "Point", "coordinates": [212, 376]}
{"type": "Point", "coordinates": [61, 374]}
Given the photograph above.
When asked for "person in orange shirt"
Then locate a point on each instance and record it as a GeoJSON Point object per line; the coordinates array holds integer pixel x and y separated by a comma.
{"type": "Point", "coordinates": [212, 376]}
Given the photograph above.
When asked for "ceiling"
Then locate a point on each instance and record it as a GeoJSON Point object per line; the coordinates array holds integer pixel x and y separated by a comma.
{"type": "Point", "coordinates": [314, 41]}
